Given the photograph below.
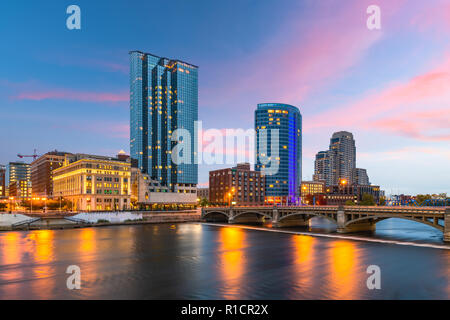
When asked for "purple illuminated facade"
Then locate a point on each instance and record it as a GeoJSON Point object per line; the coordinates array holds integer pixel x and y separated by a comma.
{"type": "Point", "coordinates": [282, 186]}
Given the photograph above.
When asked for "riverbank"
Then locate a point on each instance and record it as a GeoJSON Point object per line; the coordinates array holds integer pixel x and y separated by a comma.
{"type": "Point", "coordinates": [54, 222]}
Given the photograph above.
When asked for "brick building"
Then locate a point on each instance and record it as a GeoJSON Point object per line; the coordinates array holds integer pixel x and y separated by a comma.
{"type": "Point", "coordinates": [238, 186]}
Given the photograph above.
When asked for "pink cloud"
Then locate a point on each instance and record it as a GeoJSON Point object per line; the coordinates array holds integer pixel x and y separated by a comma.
{"type": "Point", "coordinates": [417, 108]}
{"type": "Point", "coordinates": [63, 94]}
{"type": "Point", "coordinates": [306, 55]}
{"type": "Point", "coordinates": [405, 153]}
{"type": "Point", "coordinates": [435, 15]}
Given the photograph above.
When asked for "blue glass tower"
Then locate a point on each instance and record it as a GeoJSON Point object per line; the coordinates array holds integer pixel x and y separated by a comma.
{"type": "Point", "coordinates": [163, 98]}
{"type": "Point", "coordinates": [284, 185]}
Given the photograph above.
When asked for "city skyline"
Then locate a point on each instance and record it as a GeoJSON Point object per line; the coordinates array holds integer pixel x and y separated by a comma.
{"type": "Point", "coordinates": [387, 88]}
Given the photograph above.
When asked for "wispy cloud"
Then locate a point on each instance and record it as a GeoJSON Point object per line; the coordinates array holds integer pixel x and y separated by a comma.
{"type": "Point", "coordinates": [74, 95]}
{"type": "Point", "coordinates": [305, 57]}
{"type": "Point", "coordinates": [417, 108]}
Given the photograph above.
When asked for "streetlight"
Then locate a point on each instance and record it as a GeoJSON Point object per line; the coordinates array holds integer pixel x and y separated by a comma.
{"type": "Point", "coordinates": [10, 204]}
{"type": "Point", "coordinates": [230, 195]}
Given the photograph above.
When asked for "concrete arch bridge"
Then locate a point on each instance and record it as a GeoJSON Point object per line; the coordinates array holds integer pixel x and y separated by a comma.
{"type": "Point", "coordinates": [347, 218]}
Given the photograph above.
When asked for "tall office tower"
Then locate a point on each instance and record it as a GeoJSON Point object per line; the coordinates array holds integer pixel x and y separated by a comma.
{"type": "Point", "coordinates": [2, 181]}
{"type": "Point", "coordinates": [163, 98]}
{"type": "Point", "coordinates": [360, 177]}
{"type": "Point", "coordinates": [342, 157]}
{"type": "Point", "coordinates": [282, 185]}
{"type": "Point", "coordinates": [322, 167]}
{"type": "Point", "coordinates": [18, 179]}
{"type": "Point", "coordinates": [42, 172]}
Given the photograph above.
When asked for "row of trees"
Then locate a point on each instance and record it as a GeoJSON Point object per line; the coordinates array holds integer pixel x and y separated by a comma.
{"type": "Point", "coordinates": [421, 198]}
{"type": "Point", "coordinates": [366, 200]}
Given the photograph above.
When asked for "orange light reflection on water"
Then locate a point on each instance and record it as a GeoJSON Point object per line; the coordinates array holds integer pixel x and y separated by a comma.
{"type": "Point", "coordinates": [232, 260]}
{"type": "Point", "coordinates": [303, 262]}
{"type": "Point", "coordinates": [345, 273]}
{"type": "Point", "coordinates": [11, 253]}
{"type": "Point", "coordinates": [40, 243]}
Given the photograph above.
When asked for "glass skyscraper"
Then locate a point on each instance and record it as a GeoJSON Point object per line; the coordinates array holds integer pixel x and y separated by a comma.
{"type": "Point", "coordinates": [163, 98]}
{"type": "Point", "coordinates": [18, 179]}
{"type": "Point", "coordinates": [283, 185]}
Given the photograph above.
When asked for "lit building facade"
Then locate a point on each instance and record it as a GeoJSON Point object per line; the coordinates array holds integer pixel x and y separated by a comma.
{"type": "Point", "coordinates": [164, 98]}
{"type": "Point", "coordinates": [342, 157]}
{"type": "Point", "coordinates": [18, 180]}
{"type": "Point", "coordinates": [340, 194]}
{"type": "Point", "coordinates": [238, 186]}
{"type": "Point", "coordinates": [322, 167]}
{"type": "Point", "coordinates": [281, 185]}
{"type": "Point", "coordinates": [2, 181]}
{"type": "Point", "coordinates": [360, 177]}
{"type": "Point", "coordinates": [42, 173]}
{"type": "Point", "coordinates": [147, 192]}
{"type": "Point", "coordinates": [93, 182]}
{"type": "Point", "coordinates": [339, 162]}
{"type": "Point", "coordinates": [311, 188]}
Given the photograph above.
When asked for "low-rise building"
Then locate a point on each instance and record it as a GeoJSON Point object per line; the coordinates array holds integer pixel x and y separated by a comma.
{"type": "Point", "coordinates": [93, 182]}
{"type": "Point", "coordinates": [311, 188]}
{"type": "Point", "coordinates": [147, 192]}
{"type": "Point", "coordinates": [203, 193]}
{"type": "Point", "coordinates": [340, 194]}
{"type": "Point", "coordinates": [238, 185]}
{"type": "Point", "coordinates": [42, 172]}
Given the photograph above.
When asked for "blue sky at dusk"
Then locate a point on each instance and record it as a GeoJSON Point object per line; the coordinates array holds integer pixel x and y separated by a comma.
{"type": "Point", "coordinates": [69, 89]}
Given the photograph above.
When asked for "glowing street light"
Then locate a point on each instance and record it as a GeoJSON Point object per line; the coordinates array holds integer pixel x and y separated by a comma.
{"type": "Point", "coordinates": [11, 199]}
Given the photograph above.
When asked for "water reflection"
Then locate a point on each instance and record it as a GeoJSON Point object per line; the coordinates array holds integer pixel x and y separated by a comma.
{"type": "Point", "coordinates": [232, 260]}
{"type": "Point", "coordinates": [344, 270]}
{"type": "Point", "coordinates": [42, 243]}
{"type": "Point", "coordinates": [10, 258]}
{"type": "Point", "coordinates": [303, 262]}
{"type": "Point", "coordinates": [199, 261]}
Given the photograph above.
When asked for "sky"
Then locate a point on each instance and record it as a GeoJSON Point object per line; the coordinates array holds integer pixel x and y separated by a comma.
{"type": "Point", "coordinates": [69, 89]}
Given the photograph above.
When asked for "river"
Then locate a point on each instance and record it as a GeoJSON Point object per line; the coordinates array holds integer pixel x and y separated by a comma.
{"type": "Point", "coordinates": [202, 261]}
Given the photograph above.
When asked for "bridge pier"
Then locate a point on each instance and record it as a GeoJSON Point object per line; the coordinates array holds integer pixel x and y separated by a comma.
{"type": "Point", "coordinates": [343, 227]}
{"type": "Point", "coordinates": [288, 222]}
{"type": "Point", "coordinates": [447, 225]}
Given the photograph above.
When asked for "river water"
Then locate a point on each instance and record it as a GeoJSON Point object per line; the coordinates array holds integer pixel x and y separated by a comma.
{"type": "Point", "coordinates": [201, 261]}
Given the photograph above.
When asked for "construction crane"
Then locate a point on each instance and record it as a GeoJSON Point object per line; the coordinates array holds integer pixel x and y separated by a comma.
{"type": "Point", "coordinates": [34, 155]}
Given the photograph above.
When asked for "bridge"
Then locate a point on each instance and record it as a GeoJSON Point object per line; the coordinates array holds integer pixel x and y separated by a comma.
{"type": "Point", "coordinates": [347, 218]}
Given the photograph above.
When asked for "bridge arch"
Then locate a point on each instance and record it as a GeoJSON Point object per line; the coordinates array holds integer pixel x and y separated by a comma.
{"type": "Point", "coordinates": [258, 213]}
{"type": "Point", "coordinates": [216, 216]}
{"type": "Point", "coordinates": [309, 214]}
{"type": "Point", "coordinates": [381, 218]}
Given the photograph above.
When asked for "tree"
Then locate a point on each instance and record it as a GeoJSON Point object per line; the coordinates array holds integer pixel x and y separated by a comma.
{"type": "Point", "coordinates": [367, 200]}
{"type": "Point", "coordinates": [382, 201]}
{"type": "Point", "coordinates": [203, 202]}
{"type": "Point", "coordinates": [350, 203]}
{"type": "Point", "coordinates": [421, 198]}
